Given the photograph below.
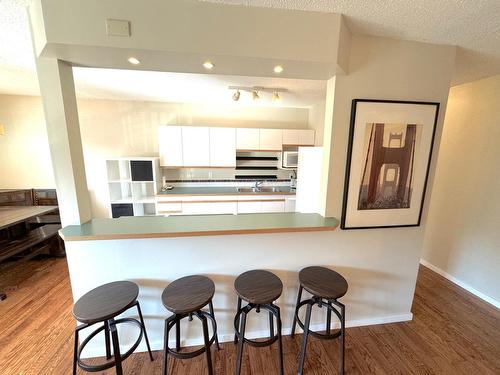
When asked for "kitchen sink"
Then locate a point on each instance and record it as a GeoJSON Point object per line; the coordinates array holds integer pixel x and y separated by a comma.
{"type": "Point", "coordinates": [259, 190]}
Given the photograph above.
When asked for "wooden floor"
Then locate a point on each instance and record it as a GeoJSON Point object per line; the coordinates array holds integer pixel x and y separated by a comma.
{"type": "Point", "coordinates": [452, 332]}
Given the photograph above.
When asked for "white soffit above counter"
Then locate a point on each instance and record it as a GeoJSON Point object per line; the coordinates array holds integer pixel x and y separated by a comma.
{"type": "Point", "coordinates": [179, 35]}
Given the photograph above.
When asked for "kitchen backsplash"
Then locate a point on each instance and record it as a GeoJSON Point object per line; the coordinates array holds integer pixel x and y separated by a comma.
{"type": "Point", "coordinates": [220, 174]}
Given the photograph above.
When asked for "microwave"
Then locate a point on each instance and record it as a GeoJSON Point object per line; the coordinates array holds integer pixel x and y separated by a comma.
{"type": "Point", "coordinates": [290, 159]}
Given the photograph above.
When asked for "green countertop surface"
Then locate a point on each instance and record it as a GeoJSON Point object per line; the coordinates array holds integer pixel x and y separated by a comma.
{"type": "Point", "coordinates": [223, 190]}
{"type": "Point", "coordinates": [196, 225]}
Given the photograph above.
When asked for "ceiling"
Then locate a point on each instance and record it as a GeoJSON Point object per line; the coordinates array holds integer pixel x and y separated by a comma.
{"type": "Point", "coordinates": [472, 25]}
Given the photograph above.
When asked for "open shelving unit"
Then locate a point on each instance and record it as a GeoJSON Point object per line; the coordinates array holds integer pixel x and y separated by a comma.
{"type": "Point", "coordinates": [132, 185]}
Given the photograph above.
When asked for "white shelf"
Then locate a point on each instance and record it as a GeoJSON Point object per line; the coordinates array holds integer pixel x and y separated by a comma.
{"type": "Point", "coordinates": [123, 200]}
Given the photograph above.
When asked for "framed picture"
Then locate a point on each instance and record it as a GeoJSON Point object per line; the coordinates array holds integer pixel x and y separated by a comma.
{"type": "Point", "coordinates": [388, 158]}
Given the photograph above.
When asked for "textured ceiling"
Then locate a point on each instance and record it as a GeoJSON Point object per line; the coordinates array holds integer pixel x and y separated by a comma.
{"type": "Point", "coordinates": [472, 25]}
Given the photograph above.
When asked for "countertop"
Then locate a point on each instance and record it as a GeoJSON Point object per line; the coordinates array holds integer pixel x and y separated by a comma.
{"type": "Point", "coordinates": [196, 225]}
{"type": "Point", "coordinates": [225, 190]}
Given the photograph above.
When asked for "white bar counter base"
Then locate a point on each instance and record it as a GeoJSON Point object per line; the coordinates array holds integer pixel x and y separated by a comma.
{"type": "Point", "coordinates": [154, 251]}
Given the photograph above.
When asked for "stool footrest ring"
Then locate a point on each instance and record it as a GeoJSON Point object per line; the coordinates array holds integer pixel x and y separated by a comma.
{"type": "Point", "coordinates": [95, 368]}
{"type": "Point", "coordinates": [247, 309]}
{"type": "Point", "coordinates": [319, 302]}
{"type": "Point", "coordinates": [195, 353]}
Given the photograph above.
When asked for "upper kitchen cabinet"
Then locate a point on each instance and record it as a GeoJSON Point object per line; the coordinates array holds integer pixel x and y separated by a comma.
{"type": "Point", "coordinates": [247, 139]}
{"type": "Point", "coordinates": [170, 146]}
{"type": "Point", "coordinates": [270, 139]}
{"type": "Point", "coordinates": [298, 137]}
{"type": "Point", "coordinates": [195, 146]}
{"type": "Point", "coordinates": [222, 147]}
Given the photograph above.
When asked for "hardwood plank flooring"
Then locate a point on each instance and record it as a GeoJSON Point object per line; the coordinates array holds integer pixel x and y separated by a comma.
{"type": "Point", "coordinates": [453, 332]}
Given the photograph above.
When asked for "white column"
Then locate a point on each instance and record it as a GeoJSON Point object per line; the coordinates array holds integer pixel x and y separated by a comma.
{"type": "Point", "coordinates": [63, 129]}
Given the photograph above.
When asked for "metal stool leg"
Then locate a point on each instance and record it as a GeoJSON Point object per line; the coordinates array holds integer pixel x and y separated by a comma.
{"type": "Point", "coordinates": [241, 341]}
{"type": "Point", "coordinates": [75, 354]}
{"type": "Point", "coordinates": [328, 319]}
{"type": "Point", "coordinates": [304, 339]}
{"type": "Point", "coordinates": [271, 325]}
{"type": "Point", "coordinates": [116, 347]}
{"type": "Point", "coordinates": [178, 336]}
{"type": "Point", "coordinates": [211, 307]}
{"type": "Point", "coordinates": [280, 341]}
{"type": "Point", "coordinates": [168, 326]}
{"type": "Point", "coordinates": [144, 329]}
{"type": "Point", "coordinates": [342, 339]}
{"type": "Point", "coordinates": [299, 297]}
{"type": "Point", "coordinates": [206, 338]}
{"type": "Point", "coordinates": [107, 340]}
{"type": "Point", "coordinates": [238, 321]}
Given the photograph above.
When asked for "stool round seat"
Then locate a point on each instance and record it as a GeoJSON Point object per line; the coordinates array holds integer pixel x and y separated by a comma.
{"type": "Point", "coordinates": [258, 287]}
{"type": "Point", "coordinates": [188, 294]}
{"type": "Point", "coordinates": [106, 302]}
{"type": "Point", "coordinates": [323, 282]}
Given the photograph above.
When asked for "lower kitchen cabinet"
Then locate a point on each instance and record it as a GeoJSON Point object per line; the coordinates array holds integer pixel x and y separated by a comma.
{"type": "Point", "coordinates": [208, 208]}
{"type": "Point", "coordinates": [273, 206]}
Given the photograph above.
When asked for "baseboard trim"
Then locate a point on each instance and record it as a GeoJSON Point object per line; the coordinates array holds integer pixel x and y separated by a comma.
{"type": "Point", "coordinates": [461, 284]}
{"type": "Point", "coordinates": [158, 344]}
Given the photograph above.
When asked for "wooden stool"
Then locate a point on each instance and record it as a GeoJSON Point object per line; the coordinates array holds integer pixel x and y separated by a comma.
{"type": "Point", "coordinates": [186, 297]}
{"type": "Point", "coordinates": [260, 289]}
{"type": "Point", "coordinates": [326, 286]}
{"type": "Point", "coordinates": [103, 304]}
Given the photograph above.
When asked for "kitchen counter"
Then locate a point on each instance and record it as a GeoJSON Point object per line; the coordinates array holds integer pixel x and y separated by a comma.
{"type": "Point", "coordinates": [196, 225]}
{"type": "Point", "coordinates": [224, 190]}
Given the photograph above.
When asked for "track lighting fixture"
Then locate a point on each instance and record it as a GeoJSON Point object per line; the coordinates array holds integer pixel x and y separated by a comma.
{"type": "Point", "coordinates": [257, 91]}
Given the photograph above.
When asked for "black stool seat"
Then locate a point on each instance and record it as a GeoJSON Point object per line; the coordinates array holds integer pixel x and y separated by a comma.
{"type": "Point", "coordinates": [102, 305]}
{"type": "Point", "coordinates": [323, 282]}
{"type": "Point", "coordinates": [106, 302]}
{"type": "Point", "coordinates": [258, 287]}
{"type": "Point", "coordinates": [188, 294]}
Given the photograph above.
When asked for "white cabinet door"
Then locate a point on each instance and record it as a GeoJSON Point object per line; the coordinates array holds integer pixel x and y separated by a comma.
{"type": "Point", "coordinates": [290, 136]}
{"type": "Point", "coordinates": [290, 204]}
{"type": "Point", "coordinates": [247, 139]}
{"type": "Point", "coordinates": [222, 147]}
{"type": "Point", "coordinates": [298, 137]}
{"type": "Point", "coordinates": [209, 208]}
{"type": "Point", "coordinates": [170, 146]}
{"type": "Point", "coordinates": [195, 146]}
{"type": "Point", "coordinates": [270, 139]}
{"type": "Point", "coordinates": [306, 137]}
{"type": "Point", "coordinates": [249, 207]}
{"type": "Point", "coordinates": [273, 206]}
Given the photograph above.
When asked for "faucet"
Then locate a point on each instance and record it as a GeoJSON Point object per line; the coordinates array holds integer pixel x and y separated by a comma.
{"type": "Point", "coordinates": [258, 184]}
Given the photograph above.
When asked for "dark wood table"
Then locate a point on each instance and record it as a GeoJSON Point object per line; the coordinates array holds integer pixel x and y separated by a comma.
{"type": "Point", "coordinates": [12, 215]}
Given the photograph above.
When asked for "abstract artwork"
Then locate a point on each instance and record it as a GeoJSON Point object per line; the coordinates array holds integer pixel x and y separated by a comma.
{"type": "Point", "coordinates": [390, 146]}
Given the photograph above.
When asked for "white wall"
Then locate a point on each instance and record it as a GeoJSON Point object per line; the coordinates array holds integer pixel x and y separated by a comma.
{"type": "Point", "coordinates": [317, 121]}
{"type": "Point", "coordinates": [112, 128]}
{"type": "Point", "coordinates": [462, 235]}
{"type": "Point", "coordinates": [24, 149]}
{"type": "Point", "coordinates": [383, 69]}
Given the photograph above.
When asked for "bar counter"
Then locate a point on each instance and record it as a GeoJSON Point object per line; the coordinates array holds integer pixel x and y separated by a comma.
{"type": "Point", "coordinates": [196, 225]}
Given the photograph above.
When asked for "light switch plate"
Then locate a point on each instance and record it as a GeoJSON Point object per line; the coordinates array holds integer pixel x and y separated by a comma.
{"type": "Point", "coordinates": [117, 27]}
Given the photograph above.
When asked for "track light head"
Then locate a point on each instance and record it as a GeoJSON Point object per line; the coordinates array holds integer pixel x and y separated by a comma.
{"type": "Point", "coordinates": [276, 97]}
{"type": "Point", "coordinates": [255, 95]}
{"type": "Point", "coordinates": [236, 95]}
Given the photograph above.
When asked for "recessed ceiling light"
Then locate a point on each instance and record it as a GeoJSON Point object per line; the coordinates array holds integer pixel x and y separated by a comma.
{"type": "Point", "coordinates": [208, 65]}
{"type": "Point", "coordinates": [134, 60]}
{"type": "Point", "coordinates": [278, 69]}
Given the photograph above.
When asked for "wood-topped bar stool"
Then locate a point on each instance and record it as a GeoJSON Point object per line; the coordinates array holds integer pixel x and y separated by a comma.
{"type": "Point", "coordinates": [102, 305]}
{"type": "Point", "coordinates": [326, 286]}
{"type": "Point", "coordinates": [186, 297]}
{"type": "Point", "coordinates": [260, 289]}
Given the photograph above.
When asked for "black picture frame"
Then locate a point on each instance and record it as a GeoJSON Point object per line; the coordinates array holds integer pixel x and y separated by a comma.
{"type": "Point", "coordinates": [354, 107]}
